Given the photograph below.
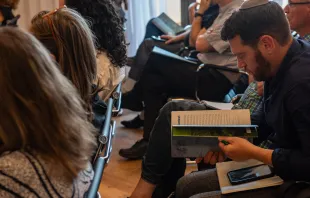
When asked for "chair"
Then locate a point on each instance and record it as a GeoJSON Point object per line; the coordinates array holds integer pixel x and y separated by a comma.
{"type": "Point", "coordinates": [105, 138]}
{"type": "Point", "coordinates": [117, 96]}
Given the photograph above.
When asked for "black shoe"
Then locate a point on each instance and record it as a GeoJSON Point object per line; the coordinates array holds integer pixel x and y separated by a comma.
{"type": "Point", "coordinates": [135, 123]}
{"type": "Point", "coordinates": [137, 151]}
{"type": "Point", "coordinates": [129, 101]}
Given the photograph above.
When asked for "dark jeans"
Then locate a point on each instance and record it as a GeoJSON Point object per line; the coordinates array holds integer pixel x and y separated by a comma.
{"type": "Point", "coordinates": [144, 52]}
{"type": "Point", "coordinates": [152, 30]}
{"type": "Point", "coordinates": [165, 77]}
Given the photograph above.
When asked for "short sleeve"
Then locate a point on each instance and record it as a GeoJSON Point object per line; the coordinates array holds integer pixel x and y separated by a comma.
{"type": "Point", "coordinates": [213, 34]}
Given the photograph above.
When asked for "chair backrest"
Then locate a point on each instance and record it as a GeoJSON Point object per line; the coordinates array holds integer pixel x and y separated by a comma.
{"type": "Point", "coordinates": [117, 96]}
{"type": "Point", "coordinates": [98, 169]}
{"type": "Point", "coordinates": [106, 130]}
{"type": "Point", "coordinates": [105, 144]}
{"type": "Point", "coordinates": [105, 138]}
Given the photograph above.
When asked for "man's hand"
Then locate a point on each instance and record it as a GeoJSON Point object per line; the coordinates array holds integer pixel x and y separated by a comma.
{"type": "Point", "coordinates": [238, 149]}
{"type": "Point", "coordinates": [192, 7]}
{"type": "Point", "coordinates": [204, 5]}
{"type": "Point", "coordinates": [260, 88]}
{"type": "Point", "coordinates": [170, 39]}
{"type": "Point", "coordinates": [212, 158]}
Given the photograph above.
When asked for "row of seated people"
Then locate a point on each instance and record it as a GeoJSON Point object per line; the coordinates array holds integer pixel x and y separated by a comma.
{"type": "Point", "coordinates": [258, 39]}
{"type": "Point", "coordinates": [169, 71]}
{"type": "Point", "coordinates": [163, 77]}
{"type": "Point", "coordinates": [53, 80]}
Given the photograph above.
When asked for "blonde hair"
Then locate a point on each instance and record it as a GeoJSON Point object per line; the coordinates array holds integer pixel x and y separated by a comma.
{"type": "Point", "coordinates": [40, 109]}
{"type": "Point", "coordinates": [11, 3]}
{"type": "Point", "coordinates": [67, 35]}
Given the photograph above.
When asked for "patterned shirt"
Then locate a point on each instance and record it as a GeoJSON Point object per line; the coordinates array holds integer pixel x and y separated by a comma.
{"type": "Point", "coordinates": [306, 37]}
{"type": "Point", "coordinates": [250, 99]}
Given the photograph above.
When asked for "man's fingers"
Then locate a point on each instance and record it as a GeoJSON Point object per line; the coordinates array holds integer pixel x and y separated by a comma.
{"type": "Point", "coordinates": [168, 42]}
{"type": "Point", "coordinates": [222, 147]}
{"type": "Point", "coordinates": [207, 158]}
{"type": "Point", "coordinates": [221, 157]}
{"type": "Point", "coordinates": [165, 36]}
{"type": "Point", "coordinates": [224, 138]}
{"type": "Point", "coordinates": [214, 158]}
{"type": "Point", "coordinates": [198, 160]}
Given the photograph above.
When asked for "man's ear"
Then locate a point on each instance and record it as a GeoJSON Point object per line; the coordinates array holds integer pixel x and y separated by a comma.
{"type": "Point", "coordinates": [267, 44]}
{"type": "Point", "coordinates": [308, 10]}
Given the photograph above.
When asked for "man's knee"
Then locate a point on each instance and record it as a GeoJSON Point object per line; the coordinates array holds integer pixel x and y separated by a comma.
{"type": "Point", "coordinates": [183, 187]}
{"type": "Point", "coordinates": [173, 106]}
{"type": "Point", "coordinates": [148, 44]}
{"type": "Point", "coordinates": [150, 23]}
{"type": "Point", "coordinates": [182, 105]}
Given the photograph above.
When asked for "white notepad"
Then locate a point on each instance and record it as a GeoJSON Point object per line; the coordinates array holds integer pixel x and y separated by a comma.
{"type": "Point", "coordinates": [226, 187]}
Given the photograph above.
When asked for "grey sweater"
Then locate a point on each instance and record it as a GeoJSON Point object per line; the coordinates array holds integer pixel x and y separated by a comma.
{"type": "Point", "coordinates": [25, 175]}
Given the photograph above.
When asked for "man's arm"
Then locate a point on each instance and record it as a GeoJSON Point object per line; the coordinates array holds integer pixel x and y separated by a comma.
{"type": "Point", "coordinates": [289, 163]}
{"type": "Point", "coordinates": [191, 11]}
{"type": "Point", "coordinates": [293, 164]}
{"type": "Point", "coordinates": [174, 39]}
{"type": "Point", "coordinates": [203, 45]}
{"type": "Point", "coordinates": [196, 24]}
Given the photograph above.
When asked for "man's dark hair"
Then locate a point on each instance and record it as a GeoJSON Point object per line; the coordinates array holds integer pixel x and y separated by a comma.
{"type": "Point", "coordinates": [252, 23]}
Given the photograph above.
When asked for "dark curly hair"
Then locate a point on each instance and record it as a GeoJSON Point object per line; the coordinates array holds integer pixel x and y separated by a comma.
{"type": "Point", "coordinates": [106, 25]}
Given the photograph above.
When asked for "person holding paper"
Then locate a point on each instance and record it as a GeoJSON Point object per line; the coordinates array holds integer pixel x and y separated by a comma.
{"type": "Point", "coordinates": [268, 51]}
{"type": "Point", "coordinates": [286, 107]}
{"type": "Point", "coordinates": [166, 77]}
{"type": "Point", "coordinates": [173, 43]}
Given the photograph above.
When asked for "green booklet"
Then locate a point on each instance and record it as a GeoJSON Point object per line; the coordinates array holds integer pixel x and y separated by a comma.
{"type": "Point", "coordinates": [194, 133]}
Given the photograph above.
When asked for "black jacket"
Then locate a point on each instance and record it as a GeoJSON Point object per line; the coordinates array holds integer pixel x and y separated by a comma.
{"type": "Point", "coordinates": [286, 111]}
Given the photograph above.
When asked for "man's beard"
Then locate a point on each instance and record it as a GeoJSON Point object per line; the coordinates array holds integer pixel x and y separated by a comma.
{"type": "Point", "coordinates": [264, 67]}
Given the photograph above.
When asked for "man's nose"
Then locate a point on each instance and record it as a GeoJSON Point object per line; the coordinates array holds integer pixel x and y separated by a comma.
{"type": "Point", "coordinates": [286, 9]}
{"type": "Point", "coordinates": [241, 64]}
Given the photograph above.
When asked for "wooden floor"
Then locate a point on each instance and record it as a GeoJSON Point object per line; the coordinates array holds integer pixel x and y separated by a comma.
{"type": "Point", "coordinates": [121, 176]}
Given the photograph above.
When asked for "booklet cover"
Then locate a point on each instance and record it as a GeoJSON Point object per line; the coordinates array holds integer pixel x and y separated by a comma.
{"type": "Point", "coordinates": [167, 25]}
{"type": "Point", "coordinates": [194, 133]}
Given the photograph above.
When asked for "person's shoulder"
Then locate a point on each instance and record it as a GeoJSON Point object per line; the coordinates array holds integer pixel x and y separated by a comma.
{"type": "Point", "coordinates": [84, 179]}
{"type": "Point", "coordinates": [234, 6]}
{"type": "Point", "coordinates": [299, 72]}
{"type": "Point", "coordinates": [8, 159]}
{"type": "Point", "coordinates": [15, 164]}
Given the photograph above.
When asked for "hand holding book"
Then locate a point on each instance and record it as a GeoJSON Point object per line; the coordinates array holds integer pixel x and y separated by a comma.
{"type": "Point", "coordinates": [212, 158]}
{"type": "Point", "coordinates": [237, 149]}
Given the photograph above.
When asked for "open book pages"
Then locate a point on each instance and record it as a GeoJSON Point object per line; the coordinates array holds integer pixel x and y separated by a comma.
{"type": "Point", "coordinates": [218, 105]}
{"type": "Point", "coordinates": [194, 133]}
{"type": "Point", "coordinates": [226, 187]}
{"type": "Point", "coordinates": [211, 117]}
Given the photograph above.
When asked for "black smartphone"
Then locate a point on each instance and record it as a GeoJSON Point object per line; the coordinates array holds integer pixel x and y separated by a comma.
{"type": "Point", "coordinates": [157, 38]}
{"type": "Point", "coordinates": [250, 174]}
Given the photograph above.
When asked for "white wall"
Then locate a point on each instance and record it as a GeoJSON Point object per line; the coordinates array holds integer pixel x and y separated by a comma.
{"type": "Point", "coordinates": [28, 8]}
{"type": "Point", "coordinates": [174, 10]}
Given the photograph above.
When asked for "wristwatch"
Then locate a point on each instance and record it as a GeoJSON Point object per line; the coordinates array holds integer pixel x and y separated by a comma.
{"type": "Point", "coordinates": [198, 15]}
